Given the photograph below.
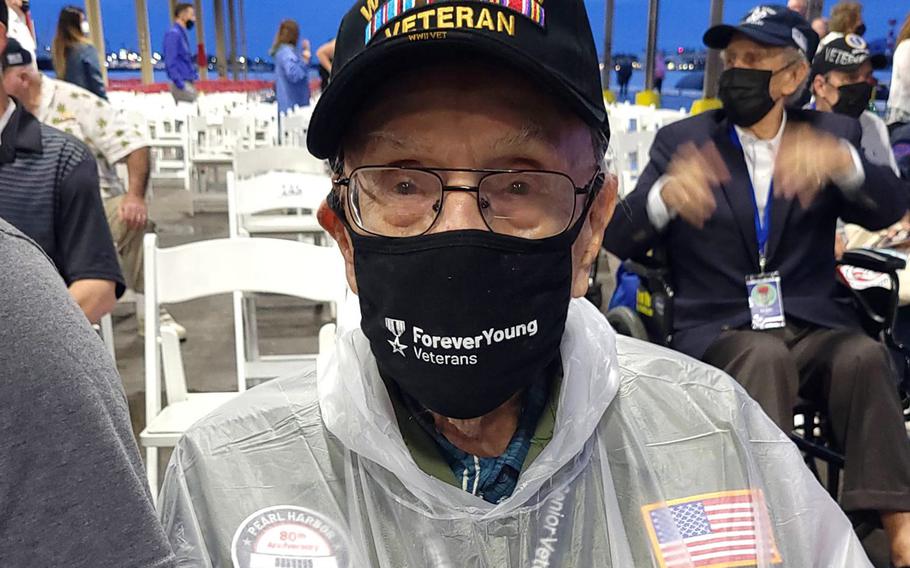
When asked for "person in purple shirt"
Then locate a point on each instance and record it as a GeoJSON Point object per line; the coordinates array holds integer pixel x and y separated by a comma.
{"type": "Point", "coordinates": [178, 61]}
{"type": "Point", "coordinates": [292, 70]}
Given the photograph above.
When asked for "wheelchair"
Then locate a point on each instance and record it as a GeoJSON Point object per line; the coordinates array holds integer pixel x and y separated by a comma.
{"type": "Point", "coordinates": [871, 275]}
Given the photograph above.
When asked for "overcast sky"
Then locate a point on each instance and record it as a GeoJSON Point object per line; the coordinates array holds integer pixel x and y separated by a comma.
{"type": "Point", "coordinates": [681, 21]}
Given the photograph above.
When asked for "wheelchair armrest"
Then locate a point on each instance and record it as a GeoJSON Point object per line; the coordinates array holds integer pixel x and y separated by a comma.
{"type": "Point", "coordinates": [648, 267]}
{"type": "Point", "coordinates": [874, 260]}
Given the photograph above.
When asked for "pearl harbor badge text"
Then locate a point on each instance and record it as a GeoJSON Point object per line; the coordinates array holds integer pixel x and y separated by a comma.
{"type": "Point", "coordinates": [426, 19]}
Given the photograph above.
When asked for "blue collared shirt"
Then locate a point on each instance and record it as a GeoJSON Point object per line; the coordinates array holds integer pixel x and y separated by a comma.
{"type": "Point", "coordinates": [493, 479]}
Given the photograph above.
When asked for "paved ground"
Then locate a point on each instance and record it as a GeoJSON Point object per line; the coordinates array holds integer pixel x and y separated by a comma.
{"type": "Point", "coordinates": [286, 326]}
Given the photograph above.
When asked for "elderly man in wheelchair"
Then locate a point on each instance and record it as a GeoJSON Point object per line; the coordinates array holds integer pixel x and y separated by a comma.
{"type": "Point", "coordinates": [742, 204]}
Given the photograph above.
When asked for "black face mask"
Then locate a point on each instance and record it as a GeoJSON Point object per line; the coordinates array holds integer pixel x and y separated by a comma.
{"type": "Point", "coordinates": [746, 95]}
{"type": "Point", "coordinates": [860, 30]}
{"type": "Point", "coordinates": [853, 99]}
{"type": "Point", "coordinates": [190, 24]}
{"type": "Point", "coordinates": [462, 321]}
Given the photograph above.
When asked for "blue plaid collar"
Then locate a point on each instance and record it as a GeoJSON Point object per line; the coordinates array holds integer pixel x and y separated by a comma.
{"type": "Point", "coordinates": [493, 479]}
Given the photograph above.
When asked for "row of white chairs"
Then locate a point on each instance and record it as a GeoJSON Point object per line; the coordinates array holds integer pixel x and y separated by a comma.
{"type": "Point", "coordinates": [209, 268]}
{"type": "Point", "coordinates": [271, 191]}
{"type": "Point", "coordinates": [625, 117]}
{"type": "Point", "coordinates": [633, 129]}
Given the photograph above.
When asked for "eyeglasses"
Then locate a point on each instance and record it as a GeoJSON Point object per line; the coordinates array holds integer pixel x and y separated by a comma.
{"type": "Point", "coordinates": [406, 202]}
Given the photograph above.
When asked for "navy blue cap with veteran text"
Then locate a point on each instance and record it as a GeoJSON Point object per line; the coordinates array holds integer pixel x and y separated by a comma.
{"type": "Point", "coordinates": [846, 54]}
{"type": "Point", "coordinates": [770, 24]}
{"type": "Point", "coordinates": [550, 42]}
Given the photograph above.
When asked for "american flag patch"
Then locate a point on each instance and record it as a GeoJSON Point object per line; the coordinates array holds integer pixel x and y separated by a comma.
{"type": "Point", "coordinates": [715, 530]}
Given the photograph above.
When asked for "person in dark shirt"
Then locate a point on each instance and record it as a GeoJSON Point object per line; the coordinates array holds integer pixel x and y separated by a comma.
{"type": "Point", "coordinates": [743, 202]}
{"type": "Point", "coordinates": [72, 485]}
{"type": "Point", "coordinates": [49, 190]}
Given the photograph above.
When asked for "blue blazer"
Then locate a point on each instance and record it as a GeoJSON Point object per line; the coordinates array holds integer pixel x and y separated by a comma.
{"type": "Point", "coordinates": [709, 266]}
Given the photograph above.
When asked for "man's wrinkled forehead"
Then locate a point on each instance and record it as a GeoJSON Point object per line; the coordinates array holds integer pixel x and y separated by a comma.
{"type": "Point", "coordinates": [525, 112]}
{"type": "Point", "coordinates": [743, 49]}
{"type": "Point", "coordinates": [508, 140]}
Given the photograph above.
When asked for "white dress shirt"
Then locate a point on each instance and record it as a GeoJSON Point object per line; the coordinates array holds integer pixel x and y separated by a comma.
{"type": "Point", "coordinates": [4, 119]}
{"type": "Point", "coordinates": [760, 156]}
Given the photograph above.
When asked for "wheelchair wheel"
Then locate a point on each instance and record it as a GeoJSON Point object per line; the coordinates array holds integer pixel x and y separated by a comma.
{"type": "Point", "coordinates": [627, 322]}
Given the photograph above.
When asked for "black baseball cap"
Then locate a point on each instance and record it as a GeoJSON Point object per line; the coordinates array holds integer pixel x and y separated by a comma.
{"type": "Point", "coordinates": [846, 54]}
{"type": "Point", "coordinates": [15, 55]}
{"type": "Point", "coordinates": [549, 41]}
{"type": "Point", "coordinates": [770, 24]}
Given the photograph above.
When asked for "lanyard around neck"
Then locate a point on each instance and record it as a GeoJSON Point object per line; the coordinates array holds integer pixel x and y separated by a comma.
{"type": "Point", "coordinates": [762, 229]}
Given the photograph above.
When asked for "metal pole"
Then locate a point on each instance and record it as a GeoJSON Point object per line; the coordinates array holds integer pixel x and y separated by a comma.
{"type": "Point", "coordinates": [221, 64]}
{"type": "Point", "coordinates": [171, 4]}
{"type": "Point", "coordinates": [816, 8]}
{"type": "Point", "coordinates": [93, 14]}
{"type": "Point", "coordinates": [713, 64]}
{"type": "Point", "coordinates": [243, 47]}
{"type": "Point", "coordinates": [145, 46]}
{"type": "Point", "coordinates": [653, 11]}
{"type": "Point", "coordinates": [608, 44]}
{"type": "Point", "coordinates": [232, 22]}
{"type": "Point", "coordinates": [200, 40]}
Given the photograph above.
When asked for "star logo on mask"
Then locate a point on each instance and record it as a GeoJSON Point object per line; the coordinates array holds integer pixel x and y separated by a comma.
{"type": "Point", "coordinates": [397, 328]}
{"type": "Point", "coordinates": [397, 346]}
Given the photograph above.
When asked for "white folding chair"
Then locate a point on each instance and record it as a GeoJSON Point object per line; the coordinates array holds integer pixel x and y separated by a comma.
{"type": "Point", "coordinates": [166, 129]}
{"type": "Point", "coordinates": [209, 268]}
{"type": "Point", "coordinates": [629, 154]}
{"type": "Point", "coordinates": [105, 330]}
{"type": "Point", "coordinates": [107, 335]}
{"type": "Point", "coordinates": [294, 129]}
{"type": "Point", "coordinates": [267, 183]}
{"type": "Point", "coordinates": [211, 146]}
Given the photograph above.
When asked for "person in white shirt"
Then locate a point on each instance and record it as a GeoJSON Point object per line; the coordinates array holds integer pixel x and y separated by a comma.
{"type": "Point", "coordinates": [19, 24]}
{"type": "Point", "coordinates": [899, 99]}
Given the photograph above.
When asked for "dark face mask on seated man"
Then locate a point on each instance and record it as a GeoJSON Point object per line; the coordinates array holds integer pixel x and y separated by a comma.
{"type": "Point", "coordinates": [853, 100]}
{"type": "Point", "coordinates": [746, 94]}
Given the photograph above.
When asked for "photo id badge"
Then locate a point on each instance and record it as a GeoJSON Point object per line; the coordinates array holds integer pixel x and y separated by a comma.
{"type": "Point", "coordinates": [765, 301]}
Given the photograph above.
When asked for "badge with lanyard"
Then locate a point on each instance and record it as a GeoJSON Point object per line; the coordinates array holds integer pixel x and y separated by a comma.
{"type": "Point", "coordinates": [763, 289]}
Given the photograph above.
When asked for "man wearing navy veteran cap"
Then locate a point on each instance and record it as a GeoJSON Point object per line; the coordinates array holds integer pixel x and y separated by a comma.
{"type": "Point", "coordinates": [744, 202]}
{"type": "Point", "coordinates": [483, 414]}
{"type": "Point", "coordinates": [842, 82]}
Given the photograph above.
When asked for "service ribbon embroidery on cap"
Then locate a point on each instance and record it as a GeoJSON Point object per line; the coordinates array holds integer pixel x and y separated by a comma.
{"type": "Point", "coordinates": [383, 15]}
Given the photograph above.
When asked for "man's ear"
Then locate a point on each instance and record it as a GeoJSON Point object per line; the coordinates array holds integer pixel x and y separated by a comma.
{"type": "Point", "coordinates": [818, 83]}
{"type": "Point", "coordinates": [329, 221]}
{"type": "Point", "coordinates": [587, 247]}
{"type": "Point", "coordinates": [797, 76]}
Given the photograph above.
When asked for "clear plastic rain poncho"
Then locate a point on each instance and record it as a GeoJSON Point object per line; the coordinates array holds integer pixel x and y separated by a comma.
{"type": "Point", "coordinates": [655, 460]}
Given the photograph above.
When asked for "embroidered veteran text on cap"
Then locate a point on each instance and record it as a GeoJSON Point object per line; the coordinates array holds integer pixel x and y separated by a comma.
{"type": "Point", "coordinates": [846, 54]}
{"type": "Point", "coordinates": [770, 24]}
{"type": "Point", "coordinates": [549, 40]}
